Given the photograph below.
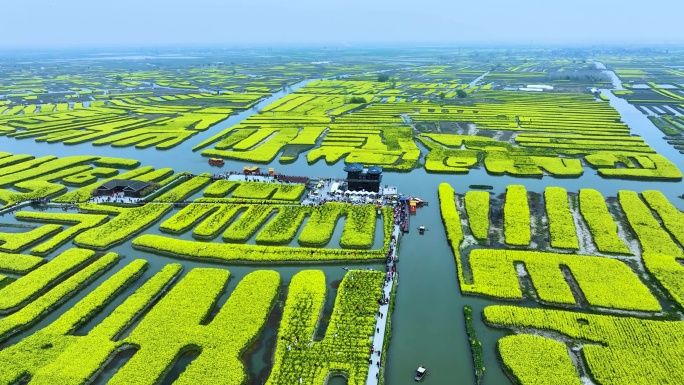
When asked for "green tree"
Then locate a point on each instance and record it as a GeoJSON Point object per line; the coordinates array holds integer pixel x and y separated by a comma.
{"type": "Point", "coordinates": [461, 94]}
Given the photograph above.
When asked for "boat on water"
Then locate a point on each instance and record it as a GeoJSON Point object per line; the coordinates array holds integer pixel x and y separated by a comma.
{"type": "Point", "coordinates": [216, 162]}
{"type": "Point", "coordinates": [481, 187]}
{"type": "Point", "coordinates": [421, 229]}
{"type": "Point", "coordinates": [420, 373]}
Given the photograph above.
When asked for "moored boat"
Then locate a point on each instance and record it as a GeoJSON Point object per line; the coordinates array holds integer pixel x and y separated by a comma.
{"type": "Point", "coordinates": [481, 187]}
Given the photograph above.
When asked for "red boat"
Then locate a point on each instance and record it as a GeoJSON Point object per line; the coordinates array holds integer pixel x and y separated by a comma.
{"type": "Point", "coordinates": [216, 162]}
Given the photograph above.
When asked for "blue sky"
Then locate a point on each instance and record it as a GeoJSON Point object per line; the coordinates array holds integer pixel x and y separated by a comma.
{"type": "Point", "coordinates": [137, 23]}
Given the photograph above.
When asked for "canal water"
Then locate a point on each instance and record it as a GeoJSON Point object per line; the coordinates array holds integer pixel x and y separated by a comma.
{"type": "Point", "coordinates": [428, 324]}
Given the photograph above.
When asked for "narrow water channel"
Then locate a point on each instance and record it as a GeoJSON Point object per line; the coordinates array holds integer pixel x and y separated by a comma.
{"type": "Point", "coordinates": [477, 80]}
{"type": "Point", "coordinates": [614, 79]}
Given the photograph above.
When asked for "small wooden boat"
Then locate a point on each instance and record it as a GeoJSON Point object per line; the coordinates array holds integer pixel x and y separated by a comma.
{"type": "Point", "coordinates": [481, 187]}
{"type": "Point", "coordinates": [420, 373]}
{"type": "Point", "coordinates": [216, 162]}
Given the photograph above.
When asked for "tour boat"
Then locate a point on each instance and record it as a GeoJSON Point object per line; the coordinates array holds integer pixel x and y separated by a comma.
{"type": "Point", "coordinates": [420, 373]}
{"type": "Point", "coordinates": [420, 202]}
{"type": "Point", "coordinates": [216, 162]}
{"type": "Point", "coordinates": [421, 229]}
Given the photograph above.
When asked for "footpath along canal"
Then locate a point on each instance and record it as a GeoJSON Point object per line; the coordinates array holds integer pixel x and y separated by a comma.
{"type": "Point", "coordinates": [383, 317]}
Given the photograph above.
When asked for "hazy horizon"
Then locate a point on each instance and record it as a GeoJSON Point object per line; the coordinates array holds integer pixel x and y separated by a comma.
{"type": "Point", "coordinates": [350, 23]}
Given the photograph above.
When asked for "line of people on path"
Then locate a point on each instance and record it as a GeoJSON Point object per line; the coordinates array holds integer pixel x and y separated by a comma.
{"type": "Point", "coordinates": [401, 215]}
{"type": "Point", "coordinates": [263, 177]}
{"type": "Point", "coordinates": [391, 271]}
{"type": "Point", "coordinates": [118, 197]}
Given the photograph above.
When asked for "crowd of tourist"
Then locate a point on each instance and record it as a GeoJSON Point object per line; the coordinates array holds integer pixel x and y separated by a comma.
{"type": "Point", "coordinates": [261, 177]}
{"type": "Point", "coordinates": [375, 359]}
{"type": "Point", "coordinates": [117, 197]}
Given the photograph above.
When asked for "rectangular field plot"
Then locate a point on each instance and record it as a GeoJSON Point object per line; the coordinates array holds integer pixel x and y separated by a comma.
{"type": "Point", "coordinates": [616, 350]}
{"type": "Point", "coordinates": [139, 322]}
{"type": "Point", "coordinates": [275, 233]}
{"type": "Point", "coordinates": [602, 282]}
{"type": "Point", "coordinates": [583, 248]}
{"type": "Point", "coordinates": [123, 122]}
{"type": "Point", "coordinates": [509, 132]}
